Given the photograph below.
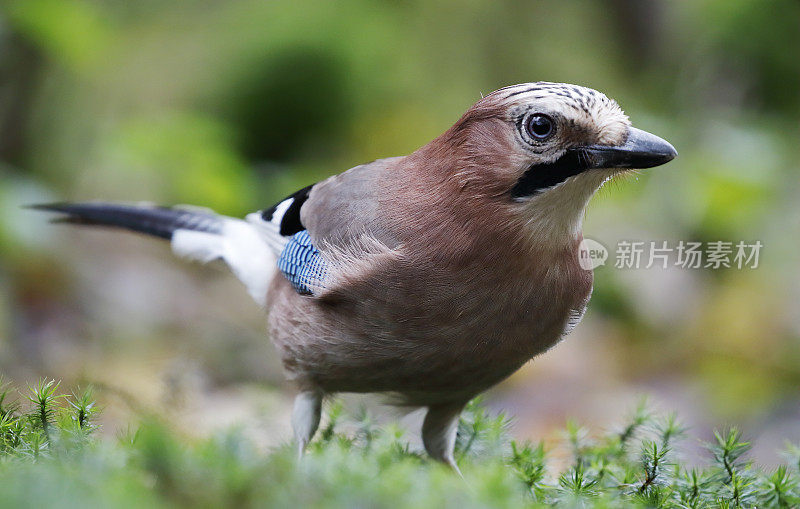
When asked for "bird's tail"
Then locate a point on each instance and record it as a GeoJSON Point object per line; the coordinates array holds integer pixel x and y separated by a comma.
{"type": "Point", "coordinates": [194, 233]}
{"type": "Point", "coordinates": [158, 221]}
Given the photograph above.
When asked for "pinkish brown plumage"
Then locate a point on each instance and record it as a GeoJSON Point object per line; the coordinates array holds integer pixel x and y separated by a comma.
{"type": "Point", "coordinates": [430, 277]}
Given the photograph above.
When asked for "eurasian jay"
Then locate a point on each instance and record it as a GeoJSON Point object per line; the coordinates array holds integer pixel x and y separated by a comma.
{"type": "Point", "coordinates": [429, 277]}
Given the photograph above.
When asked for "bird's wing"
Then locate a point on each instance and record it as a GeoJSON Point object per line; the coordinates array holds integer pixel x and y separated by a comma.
{"type": "Point", "coordinates": [311, 235]}
{"type": "Point", "coordinates": [320, 229]}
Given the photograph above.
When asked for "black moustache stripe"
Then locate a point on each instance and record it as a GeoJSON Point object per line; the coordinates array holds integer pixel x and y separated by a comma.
{"type": "Point", "coordinates": [542, 176]}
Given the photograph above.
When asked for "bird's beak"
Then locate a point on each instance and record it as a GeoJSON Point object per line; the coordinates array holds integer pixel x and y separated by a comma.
{"type": "Point", "coordinates": [640, 150]}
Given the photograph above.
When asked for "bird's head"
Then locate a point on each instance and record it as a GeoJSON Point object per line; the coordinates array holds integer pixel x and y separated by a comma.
{"type": "Point", "coordinates": [543, 149]}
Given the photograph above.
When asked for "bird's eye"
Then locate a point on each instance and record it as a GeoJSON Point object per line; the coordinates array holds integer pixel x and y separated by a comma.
{"type": "Point", "coordinates": [540, 126]}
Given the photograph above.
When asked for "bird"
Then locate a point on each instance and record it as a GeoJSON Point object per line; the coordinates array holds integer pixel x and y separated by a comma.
{"type": "Point", "coordinates": [430, 277]}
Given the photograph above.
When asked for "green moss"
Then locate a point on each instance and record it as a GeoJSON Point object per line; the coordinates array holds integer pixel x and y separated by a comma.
{"type": "Point", "coordinates": [49, 457]}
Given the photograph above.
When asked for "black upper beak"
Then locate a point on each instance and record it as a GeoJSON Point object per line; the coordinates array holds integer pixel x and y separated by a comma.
{"type": "Point", "coordinates": [640, 150]}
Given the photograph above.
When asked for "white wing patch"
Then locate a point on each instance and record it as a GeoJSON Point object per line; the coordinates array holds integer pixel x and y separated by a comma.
{"type": "Point", "coordinates": [280, 210]}
{"type": "Point", "coordinates": [269, 231]}
{"type": "Point", "coordinates": [240, 245]}
{"type": "Point", "coordinates": [250, 247]}
{"type": "Point", "coordinates": [202, 247]}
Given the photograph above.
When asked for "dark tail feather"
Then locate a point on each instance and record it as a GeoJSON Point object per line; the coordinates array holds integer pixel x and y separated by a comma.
{"type": "Point", "coordinates": [152, 220]}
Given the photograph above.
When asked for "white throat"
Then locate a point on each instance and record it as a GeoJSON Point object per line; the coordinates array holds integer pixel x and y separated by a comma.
{"type": "Point", "coordinates": [555, 216]}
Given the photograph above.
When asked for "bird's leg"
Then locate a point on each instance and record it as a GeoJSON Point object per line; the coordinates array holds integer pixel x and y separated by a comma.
{"type": "Point", "coordinates": [305, 418]}
{"type": "Point", "coordinates": [439, 432]}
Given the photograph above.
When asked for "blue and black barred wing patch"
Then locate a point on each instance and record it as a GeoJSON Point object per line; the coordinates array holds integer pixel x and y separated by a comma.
{"type": "Point", "coordinates": [302, 264]}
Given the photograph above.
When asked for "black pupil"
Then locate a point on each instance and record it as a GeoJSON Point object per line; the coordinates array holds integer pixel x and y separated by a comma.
{"type": "Point", "coordinates": [540, 126]}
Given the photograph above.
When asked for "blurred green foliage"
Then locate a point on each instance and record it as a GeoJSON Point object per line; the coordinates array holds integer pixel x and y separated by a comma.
{"type": "Point", "coordinates": [49, 457]}
{"type": "Point", "coordinates": [233, 105]}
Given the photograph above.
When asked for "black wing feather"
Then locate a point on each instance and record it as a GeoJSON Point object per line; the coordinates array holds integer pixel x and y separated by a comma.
{"type": "Point", "coordinates": [290, 222]}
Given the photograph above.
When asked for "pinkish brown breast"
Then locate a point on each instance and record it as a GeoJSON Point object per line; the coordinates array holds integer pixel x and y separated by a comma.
{"type": "Point", "coordinates": [430, 331]}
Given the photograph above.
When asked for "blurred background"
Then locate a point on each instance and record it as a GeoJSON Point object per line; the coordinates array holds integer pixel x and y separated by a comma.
{"type": "Point", "coordinates": [235, 104]}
